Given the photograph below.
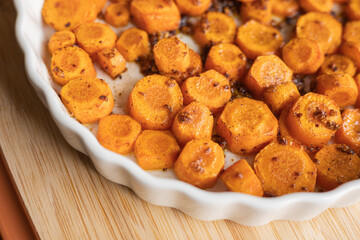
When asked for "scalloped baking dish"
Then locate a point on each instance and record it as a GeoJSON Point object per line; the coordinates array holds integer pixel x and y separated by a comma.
{"type": "Point", "coordinates": [159, 188]}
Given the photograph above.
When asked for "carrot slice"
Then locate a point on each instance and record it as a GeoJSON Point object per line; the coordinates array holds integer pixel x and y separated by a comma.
{"type": "Point", "coordinates": [111, 61]}
{"type": "Point", "coordinates": [284, 169]}
{"type": "Point", "coordinates": [88, 99]}
{"type": "Point", "coordinates": [321, 28]}
{"type": "Point", "coordinates": [68, 14]}
{"type": "Point", "coordinates": [341, 88]}
{"type": "Point", "coordinates": [200, 163]}
{"type": "Point", "coordinates": [313, 119]}
{"type": "Point", "coordinates": [240, 177]}
{"type": "Point", "coordinates": [265, 72]}
{"type": "Point", "coordinates": [118, 133]}
{"type": "Point", "coordinates": [338, 64]}
{"type": "Point", "coordinates": [211, 89]}
{"type": "Point", "coordinates": [351, 50]}
{"type": "Point", "coordinates": [303, 56]}
{"type": "Point", "coordinates": [155, 15]}
{"type": "Point", "coordinates": [133, 43]}
{"type": "Point", "coordinates": [195, 121]}
{"type": "Point", "coordinates": [324, 6]}
{"type": "Point", "coordinates": [259, 10]}
{"type": "Point", "coordinates": [353, 10]}
{"type": "Point", "coordinates": [117, 14]}
{"type": "Point", "coordinates": [61, 39]}
{"type": "Point", "coordinates": [193, 8]}
{"type": "Point", "coordinates": [336, 164]}
{"type": "Point", "coordinates": [285, 135]}
{"type": "Point", "coordinates": [156, 150]}
{"type": "Point", "coordinates": [228, 60]}
{"type": "Point", "coordinates": [247, 125]}
{"type": "Point", "coordinates": [154, 102]}
{"type": "Point", "coordinates": [349, 130]}
{"type": "Point", "coordinates": [256, 39]}
{"type": "Point", "coordinates": [285, 8]}
{"type": "Point", "coordinates": [357, 81]}
{"type": "Point", "coordinates": [69, 63]}
{"type": "Point", "coordinates": [352, 31]}
{"type": "Point", "coordinates": [214, 28]}
{"type": "Point", "coordinates": [99, 4]}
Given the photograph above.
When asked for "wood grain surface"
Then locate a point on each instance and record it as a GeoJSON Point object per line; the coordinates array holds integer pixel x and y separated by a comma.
{"type": "Point", "coordinates": [67, 199]}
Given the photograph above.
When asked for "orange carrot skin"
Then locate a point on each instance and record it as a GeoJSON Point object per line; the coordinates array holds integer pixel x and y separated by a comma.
{"type": "Point", "coordinates": [348, 132]}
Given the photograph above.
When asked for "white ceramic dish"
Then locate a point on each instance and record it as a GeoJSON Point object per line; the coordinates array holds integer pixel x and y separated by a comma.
{"type": "Point", "coordinates": [159, 188]}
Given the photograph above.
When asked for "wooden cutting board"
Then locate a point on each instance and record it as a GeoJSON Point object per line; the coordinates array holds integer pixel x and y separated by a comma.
{"type": "Point", "coordinates": [67, 199]}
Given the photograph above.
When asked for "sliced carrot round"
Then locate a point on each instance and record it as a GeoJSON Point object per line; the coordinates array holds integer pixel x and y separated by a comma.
{"type": "Point", "coordinates": [349, 130]}
{"type": "Point", "coordinates": [285, 135]}
{"type": "Point", "coordinates": [111, 61]}
{"type": "Point", "coordinates": [338, 64]}
{"type": "Point", "coordinates": [351, 50]}
{"type": "Point", "coordinates": [316, 5]}
{"type": "Point", "coordinates": [357, 81]}
{"type": "Point", "coordinates": [285, 8]}
{"type": "Point", "coordinates": [353, 10]}
{"type": "Point", "coordinates": [133, 43]}
{"type": "Point", "coordinates": [193, 8]}
{"type": "Point", "coordinates": [259, 10]}
{"type": "Point", "coordinates": [61, 39]}
{"type": "Point", "coordinates": [352, 31]}
{"type": "Point", "coordinates": [117, 14]}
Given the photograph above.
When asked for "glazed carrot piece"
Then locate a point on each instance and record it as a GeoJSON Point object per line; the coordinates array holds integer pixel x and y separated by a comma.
{"type": "Point", "coordinates": [247, 125]}
{"type": "Point", "coordinates": [303, 56]}
{"type": "Point", "coordinates": [259, 10]}
{"type": "Point", "coordinates": [265, 72]}
{"type": "Point", "coordinates": [118, 133]}
{"type": "Point", "coordinates": [340, 87]}
{"type": "Point", "coordinates": [256, 39]}
{"type": "Point", "coordinates": [338, 64]}
{"type": "Point", "coordinates": [111, 61]}
{"type": "Point", "coordinates": [94, 37]}
{"type": "Point", "coordinates": [210, 88]}
{"type": "Point", "coordinates": [353, 10]}
{"type": "Point", "coordinates": [357, 81]}
{"type": "Point", "coordinates": [195, 121]}
{"type": "Point", "coordinates": [214, 28]}
{"type": "Point", "coordinates": [321, 28]}
{"type": "Point", "coordinates": [228, 60]}
{"type": "Point", "coordinates": [240, 177]}
{"type": "Point", "coordinates": [68, 14]}
{"type": "Point", "coordinates": [99, 5]}
{"type": "Point", "coordinates": [200, 163]}
{"type": "Point", "coordinates": [154, 102]}
{"type": "Point", "coordinates": [156, 150]}
{"type": "Point", "coordinates": [155, 15]}
{"type": "Point", "coordinates": [284, 134]}
{"type": "Point", "coordinates": [284, 169]}
{"type": "Point", "coordinates": [69, 63]}
{"type": "Point", "coordinates": [324, 6]}
{"type": "Point", "coordinates": [351, 50]}
{"type": "Point", "coordinates": [349, 129]}
{"type": "Point", "coordinates": [133, 43]}
{"type": "Point", "coordinates": [61, 39]}
{"type": "Point", "coordinates": [88, 99]}
{"type": "Point", "coordinates": [193, 8]}
{"type": "Point", "coordinates": [313, 119]}
{"type": "Point", "coordinates": [336, 164]}
{"type": "Point", "coordinates": [281, 95]}
{"type": "Point", "coordinates": [352, 31]}
{"type": "Point", "coordinates": [117, 14]}
{"type": "Point", "coordinates": [171, 55]}
{"type": "Point", "coordinates": [285, 8]}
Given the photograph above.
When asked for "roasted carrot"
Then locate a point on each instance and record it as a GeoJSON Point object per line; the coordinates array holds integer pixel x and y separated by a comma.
{"type": "Point", "coordinates": [353, 10]}
{"type": "Point", "coordinates": [200, 163]}
{"type": "Point", "coordinates": [256, 39]}
{"type": "Point", "coordinates": [156, 150]}
{"type": "Point", "coordinates": [61, 39]}
{"type": "Point", "coordinates": [94, 37]}
{"type": "Point", "coordinates": [154, 102]}
{"type": "Point", "coordinates": [313, 119]}
{"type": "Point", "coordinates": [155, 15]}
{"type": "Point", "coordinates": [265, 72]}
{"type": "Point", "coordinates": [284, 134]}
{"type": "Point", "coordinates": [214, 28]}
{"type": "Point", "coordinates": [69, 63]}
{"type": "Point", "coordinates": [285, 8]}
{"type": "Point", "coordinates": [247, 125]}
{"type": "Point", "coordinates": [281, 95]}
{"type": "Point", "coordinates": [99, 5]}
{"type": "Point", "coordinates": [195, 121]}
{"type": "Point", "coordinates": [111, 61]}
{"type": "Point", "coordinates": [324, 6]}
{"type": "Point", "coordinates": [193, 8]}
{"type": "Point", "coordinates": [352, 50]}
{"type": "Point", "coordinates": [352, 31]}
{"type": "Point", "coordinates": [259, 10]}
{"type": "Point", "coordinates": [357, 81]}
{"type": "Point", "coordinates": [303, 56]}
{"type": "Point", "coordinates": [336, 164]}
{"type": "Point", "coordinates": [133, 43]}
{"type": "Point", "coordinates": [321, 28]}
{"type": "Point", "coordinates": [284, 169]}
{"type": "Point", "coordinates": [210, 88]}
{"type": "Point", "coordinates": [228, 60]}
{"type": "Point", "coordinates": [88, 99]}
{"type": "Point", "coordinates": [340, 87]}
{"type": "Point", "coordinates": [118, 133]}
{"type": "Point", "coordinates": [349, 130]}
{"type": "Point", "coordinates": [240, 177]}
{"type": "Point", "coordinates": [117, 14]}
{"type": "Point", "coordinates": [338, 64]}
{"type": "Point", "coordinates": [68, 14]}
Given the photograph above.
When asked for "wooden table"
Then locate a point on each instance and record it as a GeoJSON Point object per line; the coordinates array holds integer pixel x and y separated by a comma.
{"type": "Point", "coordinates": [67, 199]}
